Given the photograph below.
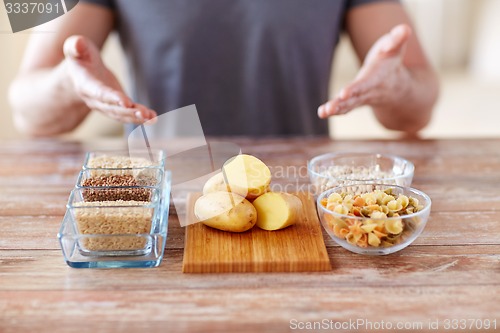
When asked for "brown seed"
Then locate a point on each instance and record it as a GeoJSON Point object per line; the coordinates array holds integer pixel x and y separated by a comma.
{"type": "Point", "coordinates": [113, 194]}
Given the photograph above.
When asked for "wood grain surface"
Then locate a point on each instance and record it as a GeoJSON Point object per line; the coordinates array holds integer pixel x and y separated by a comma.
{"type": "Point", "coordinates": [298, 248]}
{"type": "Point", "coordinates": [452, 271]}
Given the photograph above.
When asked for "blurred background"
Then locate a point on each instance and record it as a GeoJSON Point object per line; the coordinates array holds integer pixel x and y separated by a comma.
{"type": "Point", "coordinates": [461, 38]}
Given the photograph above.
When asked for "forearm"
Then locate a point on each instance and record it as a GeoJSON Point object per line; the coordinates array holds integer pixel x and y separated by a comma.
{"type": "Point", "coordinates": [44, 102]}
{"type": "Point", "coordinates": [409, 109]}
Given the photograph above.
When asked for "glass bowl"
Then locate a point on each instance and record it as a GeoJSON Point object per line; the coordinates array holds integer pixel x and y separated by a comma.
{"type": "Point", "coordinates": [372, 233]}
{"type": "Point", "coordinates": [335, 169]}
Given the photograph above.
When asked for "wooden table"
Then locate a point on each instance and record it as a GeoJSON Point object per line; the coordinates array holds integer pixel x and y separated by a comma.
{"type": "Point", "coordinates": [452, 271]}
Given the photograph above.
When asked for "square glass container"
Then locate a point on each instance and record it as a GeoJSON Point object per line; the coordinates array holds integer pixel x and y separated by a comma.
{"type": "Point", "coordinates": [124, 159]}
{"type": "Point", "coordinates": [120, 184]}
{"type": "Point", "coordinates": [114, 234]}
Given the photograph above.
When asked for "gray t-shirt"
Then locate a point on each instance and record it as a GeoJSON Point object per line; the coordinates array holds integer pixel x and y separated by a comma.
{"type": "Point", "coordinates": [252, 67]}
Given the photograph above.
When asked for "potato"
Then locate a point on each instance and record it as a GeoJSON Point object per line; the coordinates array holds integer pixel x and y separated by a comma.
{"type": "Point", "coordinates": [277, 210]}
{"type": "Point", "coordinates": [225, 211]}
{"type": "Point", "coordinates": [216, 184]}
{"type": "Point", "coordinates": [247, 175]}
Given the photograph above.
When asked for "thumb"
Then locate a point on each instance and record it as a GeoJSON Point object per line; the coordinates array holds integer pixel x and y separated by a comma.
{"type": "Point", "coordinates": [78, 48]}
{"type": "Point", "coordinates": [396, 39]}
{"type": "Point", "coordinates": [390, 46]}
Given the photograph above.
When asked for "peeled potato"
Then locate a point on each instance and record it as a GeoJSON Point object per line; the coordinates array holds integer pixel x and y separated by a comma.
{"type": "Point", "coordinates": [225, 211]}
{"type": "Point", "coordinates": [277, 210]}
{"type": "Point", "coordinates": [247, 174]}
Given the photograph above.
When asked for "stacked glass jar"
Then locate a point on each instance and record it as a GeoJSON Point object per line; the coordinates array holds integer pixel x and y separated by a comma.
{"type": "Point", "coordinates": [117, 214]}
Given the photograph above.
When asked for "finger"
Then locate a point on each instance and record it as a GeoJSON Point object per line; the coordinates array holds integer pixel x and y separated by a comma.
{"type": "Point", "coordinates": [151, 121]}
{"type": "Point", "coordinates": [138, 113]}
{"type": "Point", "coordinates": [76, 47]}
{"type": "Point", "coordinates": [151, 117]}
{"type": "Point", "coordinates": [329, 109]}
{"type": "Point", "coordinates": [359, 87]}
{"type": "Point", "coordinates": [397, 39]}
{"type": "Point", "coordinates": [112, 96]}
{"type": "Point", "coordinates": [144, 113]}
{"type": "Point", "coordinates": [338, 107]}
{"type": "Point", "coordinates": [322, 110]}
{"type": "Point", "coordinates": [344, 107]}
{"type": "Point", "coordinates": [350, 97]}
{"type": "Point", "coordinates": [126, 115]}
{"type": "Point", "coordinates": [105, 95]}
{"type": "Point", "coordinates": [94, 89]}
{"type": "Point", "coordinates": [356, 88]}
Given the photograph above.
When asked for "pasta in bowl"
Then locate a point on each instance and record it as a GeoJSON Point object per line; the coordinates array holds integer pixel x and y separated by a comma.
{"type": "Point", "coordinates": [373, 219]}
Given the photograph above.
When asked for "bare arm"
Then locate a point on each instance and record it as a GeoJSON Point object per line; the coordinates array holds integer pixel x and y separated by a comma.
{"type": "Point", "coordinates": [62, 76]}
{"type": "Point", "coordinates": [396, 79]}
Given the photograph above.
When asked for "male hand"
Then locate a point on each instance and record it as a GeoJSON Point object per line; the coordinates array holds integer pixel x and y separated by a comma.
{"type": "Point", "coordinates": [97, 86]}
{"type": "Point", "coordinates": [382, 79]}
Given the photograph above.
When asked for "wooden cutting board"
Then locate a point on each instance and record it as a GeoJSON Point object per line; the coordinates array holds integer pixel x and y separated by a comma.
{"type": "Point", "coordinates": [298, 248]}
